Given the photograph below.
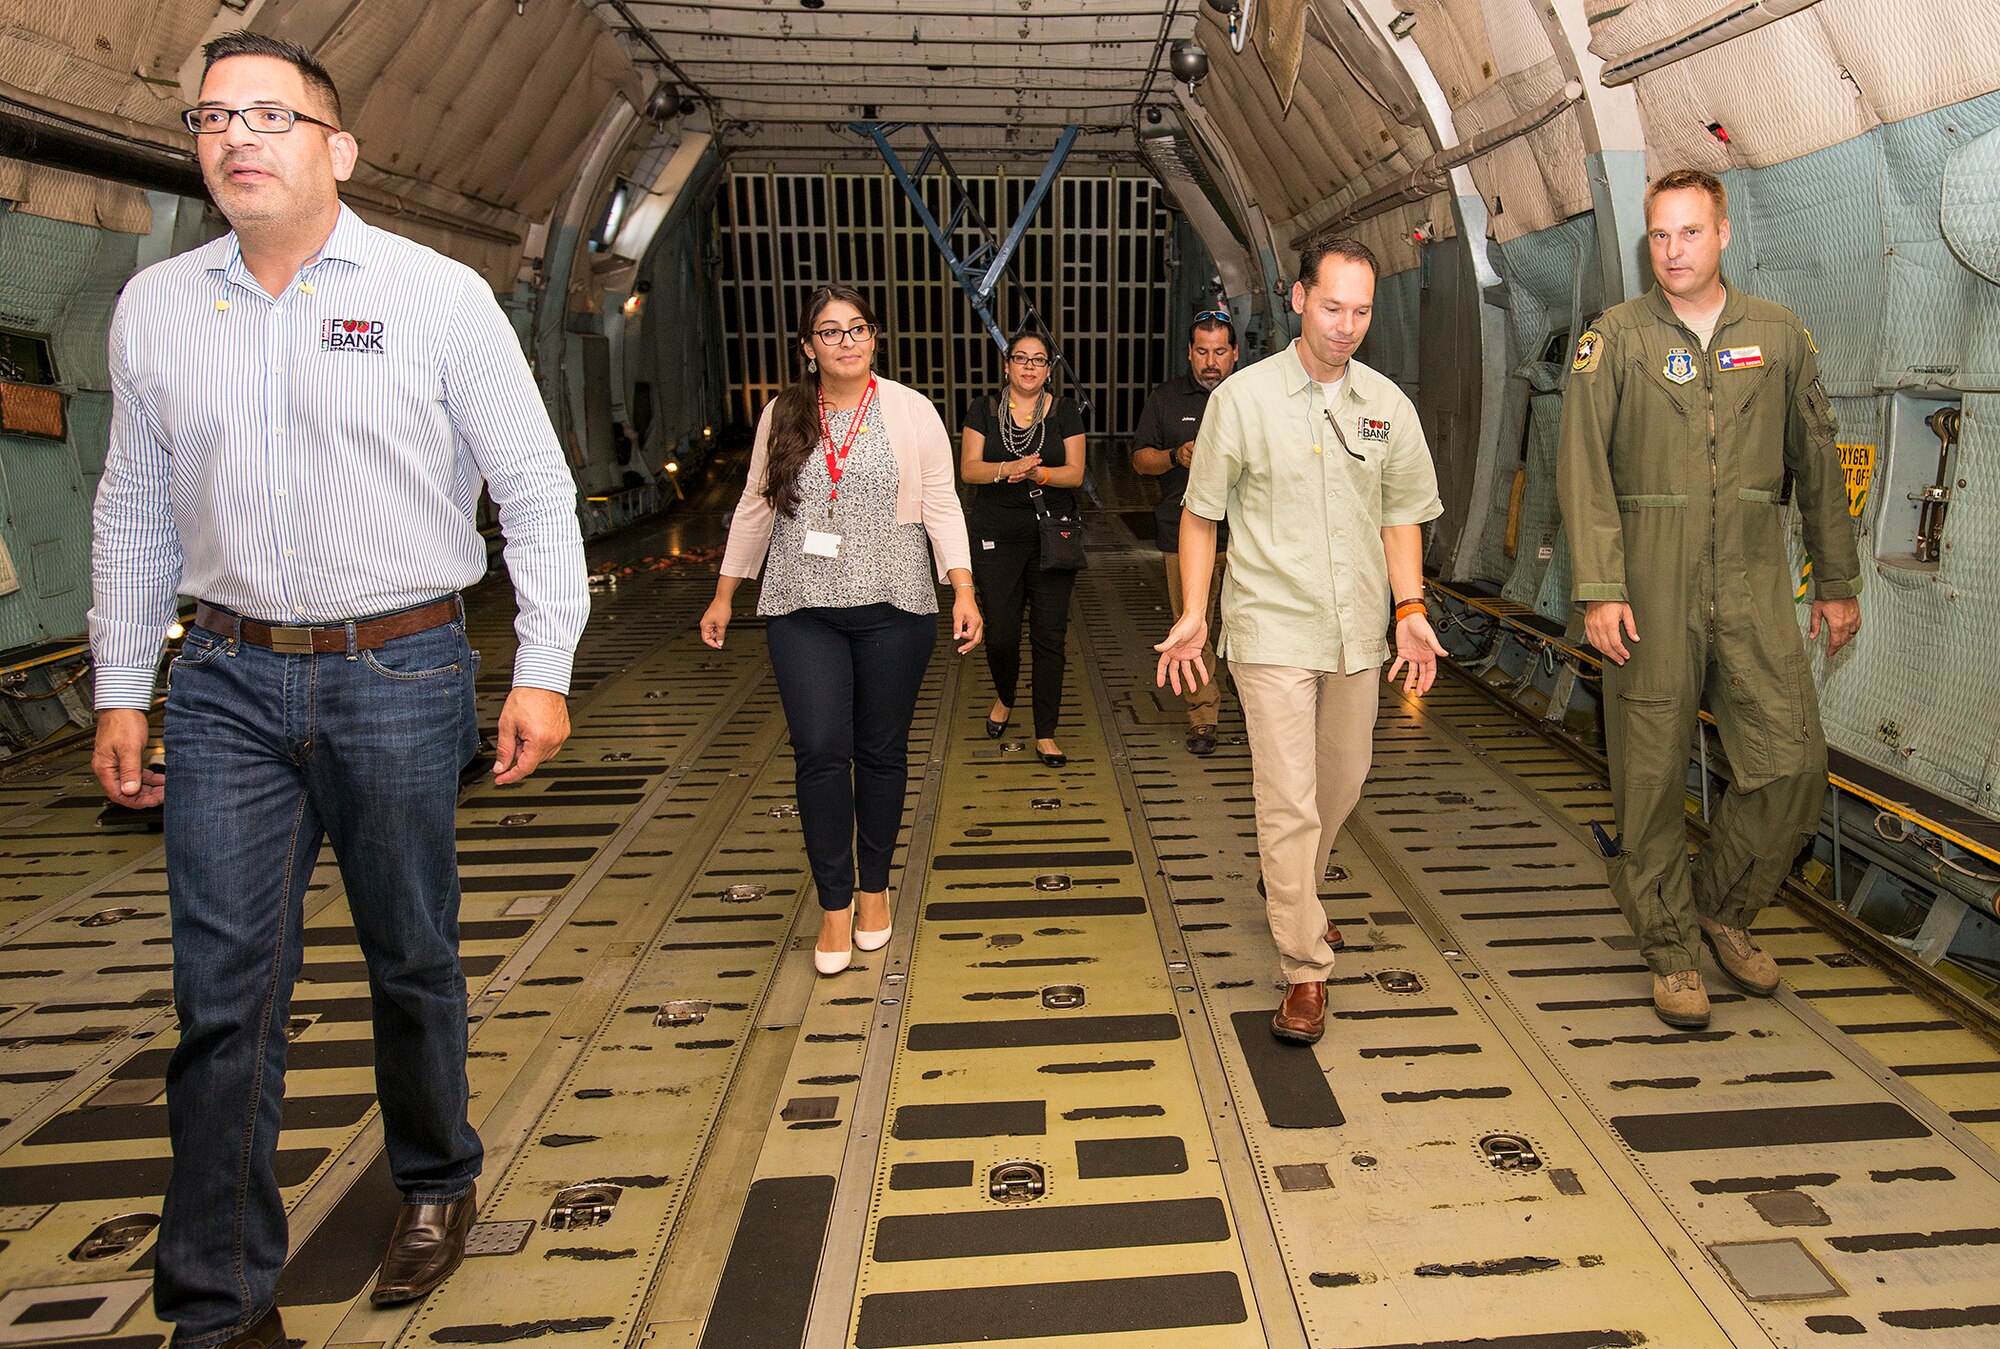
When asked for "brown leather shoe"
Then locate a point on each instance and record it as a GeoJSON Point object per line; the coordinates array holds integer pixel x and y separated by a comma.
{"type": "Point", "coordinates": [1301, 1016]}
{"type": "Point", "coordinates": [426, 1244]}
{"type": "Point", "coordinates": [266, 1332]}
{"type": "Point", "coordinates": [1201, 740]}
{"type": "Point", "coordinates": [1746, 963]}
{"type": "Point", "coordinates": [1333, 937]}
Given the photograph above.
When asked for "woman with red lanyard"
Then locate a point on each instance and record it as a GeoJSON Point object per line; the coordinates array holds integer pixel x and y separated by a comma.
{"type": "Point", "coordinates": [850, 499]}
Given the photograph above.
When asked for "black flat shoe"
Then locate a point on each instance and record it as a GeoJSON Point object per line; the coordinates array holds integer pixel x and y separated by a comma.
{"type": "Point", "coordinates": [994, 729]}
{"type": "Point", "coordinates": [1054, 760]}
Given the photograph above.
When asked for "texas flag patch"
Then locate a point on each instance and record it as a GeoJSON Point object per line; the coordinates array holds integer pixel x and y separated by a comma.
{"type": "Point", "coordinates": [1739, 358]}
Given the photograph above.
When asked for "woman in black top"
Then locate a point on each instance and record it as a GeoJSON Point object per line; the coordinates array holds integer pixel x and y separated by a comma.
{"type": "Point", "coordinates": [1020, 447]}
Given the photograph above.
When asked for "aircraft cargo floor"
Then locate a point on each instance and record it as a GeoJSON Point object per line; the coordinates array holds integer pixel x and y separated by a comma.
{"type": "Point", "coordinates": [1051, 1110]}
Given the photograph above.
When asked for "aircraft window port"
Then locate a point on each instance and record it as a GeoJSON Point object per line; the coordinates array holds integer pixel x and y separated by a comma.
{"type": "Point", "coordinates": [580, 1206]}
{"type": "Point", "coordinates": [1052, 881]}
{"type": "Point", "coordinates": [1017, 1182]}
{"type": "Point", "coordinates": [115, 1236]}
{"type": "Point", "coordinates": [1062, 997]}
{"type": "Point", "coordinates": [1510, 1152]}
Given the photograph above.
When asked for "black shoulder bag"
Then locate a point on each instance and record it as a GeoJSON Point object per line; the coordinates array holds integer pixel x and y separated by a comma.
{"type": "Point", "coordinates": [1061, 536]}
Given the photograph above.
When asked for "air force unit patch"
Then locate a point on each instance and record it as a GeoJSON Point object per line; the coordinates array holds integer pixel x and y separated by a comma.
{"type": "Point", "coordinates": [1589, 350]}
{"type": "Point", "coordinates": [1680, 365]}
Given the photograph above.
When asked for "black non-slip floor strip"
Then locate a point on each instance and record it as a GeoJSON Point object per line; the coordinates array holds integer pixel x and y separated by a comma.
{"type": "Point", "coordinates": [1054, 1030]}
{"type": "Point", "coordinates": [1028, 1231]}
{"type": "Point", "coordinates": [1776, 1127]}
{"type": "Point", "coordinates": [971, 1119]}
{"type": "Point", "coordinates": [765, 1295]}
{"type": "Point", "coordinates": [117, 1123]}
{"type": "Point", "coordinates": [340, 1257]}
{"type": "Point", "coordinates": [1291, 1085]}
{"type": "Point", "coordinates": [1086, 1307]}
{"type": "Point", "coordinates": [126, 1178]}
{"type": "Point", "coordinates": [1108, 1158]}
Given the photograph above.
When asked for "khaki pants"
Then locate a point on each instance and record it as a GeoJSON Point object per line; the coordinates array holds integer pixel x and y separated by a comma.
{"type": "Point", "coordinates": [1311, 737]}
{"type": "Point", "coordinates": [1204, 704]}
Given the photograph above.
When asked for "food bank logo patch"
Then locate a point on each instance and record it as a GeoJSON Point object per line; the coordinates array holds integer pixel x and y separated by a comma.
{"type": "Point", "coordinates": [350, 335]}
{"type": "Point", "coordinates": [1371, 429]}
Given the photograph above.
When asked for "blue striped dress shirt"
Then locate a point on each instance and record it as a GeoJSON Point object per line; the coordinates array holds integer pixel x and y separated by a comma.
{"type": "Point", "coordinates": [317, 456]}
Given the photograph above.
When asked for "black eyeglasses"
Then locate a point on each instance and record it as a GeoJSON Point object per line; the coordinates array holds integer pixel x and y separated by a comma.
{"type": "Point", "coordinates": [265, 121]}
{"type": "Point", "coordinates": [830, 337]}
{"type": "Point", "coordinates": [1031, 362]}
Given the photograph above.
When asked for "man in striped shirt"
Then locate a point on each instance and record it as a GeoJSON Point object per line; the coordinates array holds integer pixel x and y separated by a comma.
{"type": "Point", "coordinates": [304, 412]}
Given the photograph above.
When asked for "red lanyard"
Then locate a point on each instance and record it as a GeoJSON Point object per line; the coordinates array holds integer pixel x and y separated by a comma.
{"type": "Point", "coordinates": [836, 460]}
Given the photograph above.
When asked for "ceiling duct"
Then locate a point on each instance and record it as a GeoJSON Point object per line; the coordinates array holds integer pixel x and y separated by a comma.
{"type": "Point", "coordinates": [1730, 21]}
{"type": "Point", "coordinates": [1178, 165]}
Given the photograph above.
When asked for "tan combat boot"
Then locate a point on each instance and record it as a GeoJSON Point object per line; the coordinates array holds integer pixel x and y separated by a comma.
{"type": "Point", "coordinates": [1741, 959]}
{"type": "Point", "coordinates": [1680, 1000]}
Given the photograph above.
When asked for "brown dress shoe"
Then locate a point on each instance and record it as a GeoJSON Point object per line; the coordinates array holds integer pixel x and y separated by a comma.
{"type": "Point", "coordinates": [1301, 1016]}
{"type": "Point", "coordinates": [1746, 963]}
{"type": "Point", "coordinates": [266, 1332]}
{"type": "Point", "coordinates": [426, 1244]}
{"type": "Point", "coordinates": [1201, 740]}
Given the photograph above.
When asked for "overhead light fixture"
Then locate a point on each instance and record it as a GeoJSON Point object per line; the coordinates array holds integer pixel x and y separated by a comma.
{"type": "Point", "coordinates": [1189, 63]}
{"type": "Point", "coordinates": [1403, 24]}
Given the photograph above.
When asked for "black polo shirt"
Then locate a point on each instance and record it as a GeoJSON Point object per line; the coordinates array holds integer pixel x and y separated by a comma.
{"type": "Point", "coordinates": [1170, 418]}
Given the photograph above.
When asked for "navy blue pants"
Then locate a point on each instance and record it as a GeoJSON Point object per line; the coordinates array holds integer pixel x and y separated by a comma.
{"type": "Point", "coordinates": [267, 755]}
{"type": "Point", "coordinates": [849, 681]}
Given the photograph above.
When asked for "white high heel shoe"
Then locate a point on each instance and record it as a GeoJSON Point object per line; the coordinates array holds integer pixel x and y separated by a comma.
{"type": "Point", "coordinates": [832, 962]}
{"type": "Point", "coordinates": [875, 941]}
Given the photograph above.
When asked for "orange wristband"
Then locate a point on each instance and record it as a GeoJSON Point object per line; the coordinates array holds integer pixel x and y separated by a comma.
{"type": "Point", "coordinates": [1407, 607]}
{"type": "Point", "coordinates": [1044, 479]}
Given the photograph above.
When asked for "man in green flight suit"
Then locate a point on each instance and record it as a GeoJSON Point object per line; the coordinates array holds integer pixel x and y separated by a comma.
{"type": "Point", "coordinates": [1689, 410]}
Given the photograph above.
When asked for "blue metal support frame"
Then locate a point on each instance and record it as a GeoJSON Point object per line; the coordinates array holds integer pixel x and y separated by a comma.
{"type": "Point", "coordinates": [978, 286]}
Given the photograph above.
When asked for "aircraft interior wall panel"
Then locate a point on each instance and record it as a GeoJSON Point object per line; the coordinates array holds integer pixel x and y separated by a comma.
{"type": "Point", "coordinates": [1538, 573]}
{"type": "Point", "coordinates": [59, 280]}
{"type": "Point", "coordinates": [1392, 342]}
{"type": "Point", "coordinates": [1542, 271]}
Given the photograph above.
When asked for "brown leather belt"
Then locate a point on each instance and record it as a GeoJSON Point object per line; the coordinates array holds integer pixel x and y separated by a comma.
{"type": "Point", "coordinates": [369, 634]}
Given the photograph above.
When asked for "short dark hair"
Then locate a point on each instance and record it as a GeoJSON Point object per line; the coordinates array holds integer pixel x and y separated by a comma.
{"type": "Point", "coordinates": [1680, 180]}
{"type": "Point", "coordinates": [1319, 248]}
{"type": "Point", "coordinates": [243, 42]}
{"type": "Point", "coordinates": [1210, 323]}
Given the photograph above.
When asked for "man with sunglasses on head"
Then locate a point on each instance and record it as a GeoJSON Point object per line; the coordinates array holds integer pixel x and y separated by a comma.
{"type": "Point", "coordinates": [1322, 471]}
{"type": "Point", "coordinates": [303, 414]}
{"type": "Point", "coordinates": [1163, 447]}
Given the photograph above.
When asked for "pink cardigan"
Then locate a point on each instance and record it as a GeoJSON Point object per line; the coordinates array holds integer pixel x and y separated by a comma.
{"type": "Point", "coordinates": [926, 485]}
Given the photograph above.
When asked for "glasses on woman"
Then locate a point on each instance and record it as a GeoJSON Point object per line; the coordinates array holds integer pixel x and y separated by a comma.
{"type": "Point", "coordinates": [830, 336]}
{"type": "Point", "coordinates": [265, 121]}
{"type": "Point", "coordinates": [1027, 362]}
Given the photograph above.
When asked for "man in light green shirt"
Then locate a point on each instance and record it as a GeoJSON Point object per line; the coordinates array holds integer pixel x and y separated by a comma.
{"type": "Point", "coordinates": [1322, 471]}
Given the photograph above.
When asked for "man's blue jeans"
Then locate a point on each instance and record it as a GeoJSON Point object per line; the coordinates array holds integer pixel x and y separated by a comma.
{"type": "Point", "coordinates": [266, 755]}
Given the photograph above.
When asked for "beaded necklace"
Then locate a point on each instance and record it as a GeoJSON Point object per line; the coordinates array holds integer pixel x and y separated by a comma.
{"type": "Point", "coordinates": [1021, 441]}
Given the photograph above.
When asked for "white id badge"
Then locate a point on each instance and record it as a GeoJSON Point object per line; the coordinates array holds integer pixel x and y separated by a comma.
{"type": "Point", "coordinates": [822, 544]}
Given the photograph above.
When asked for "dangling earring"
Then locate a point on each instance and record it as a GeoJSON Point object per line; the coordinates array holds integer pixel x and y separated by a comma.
{"type": "Point", "coordinates": [812, 365]}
